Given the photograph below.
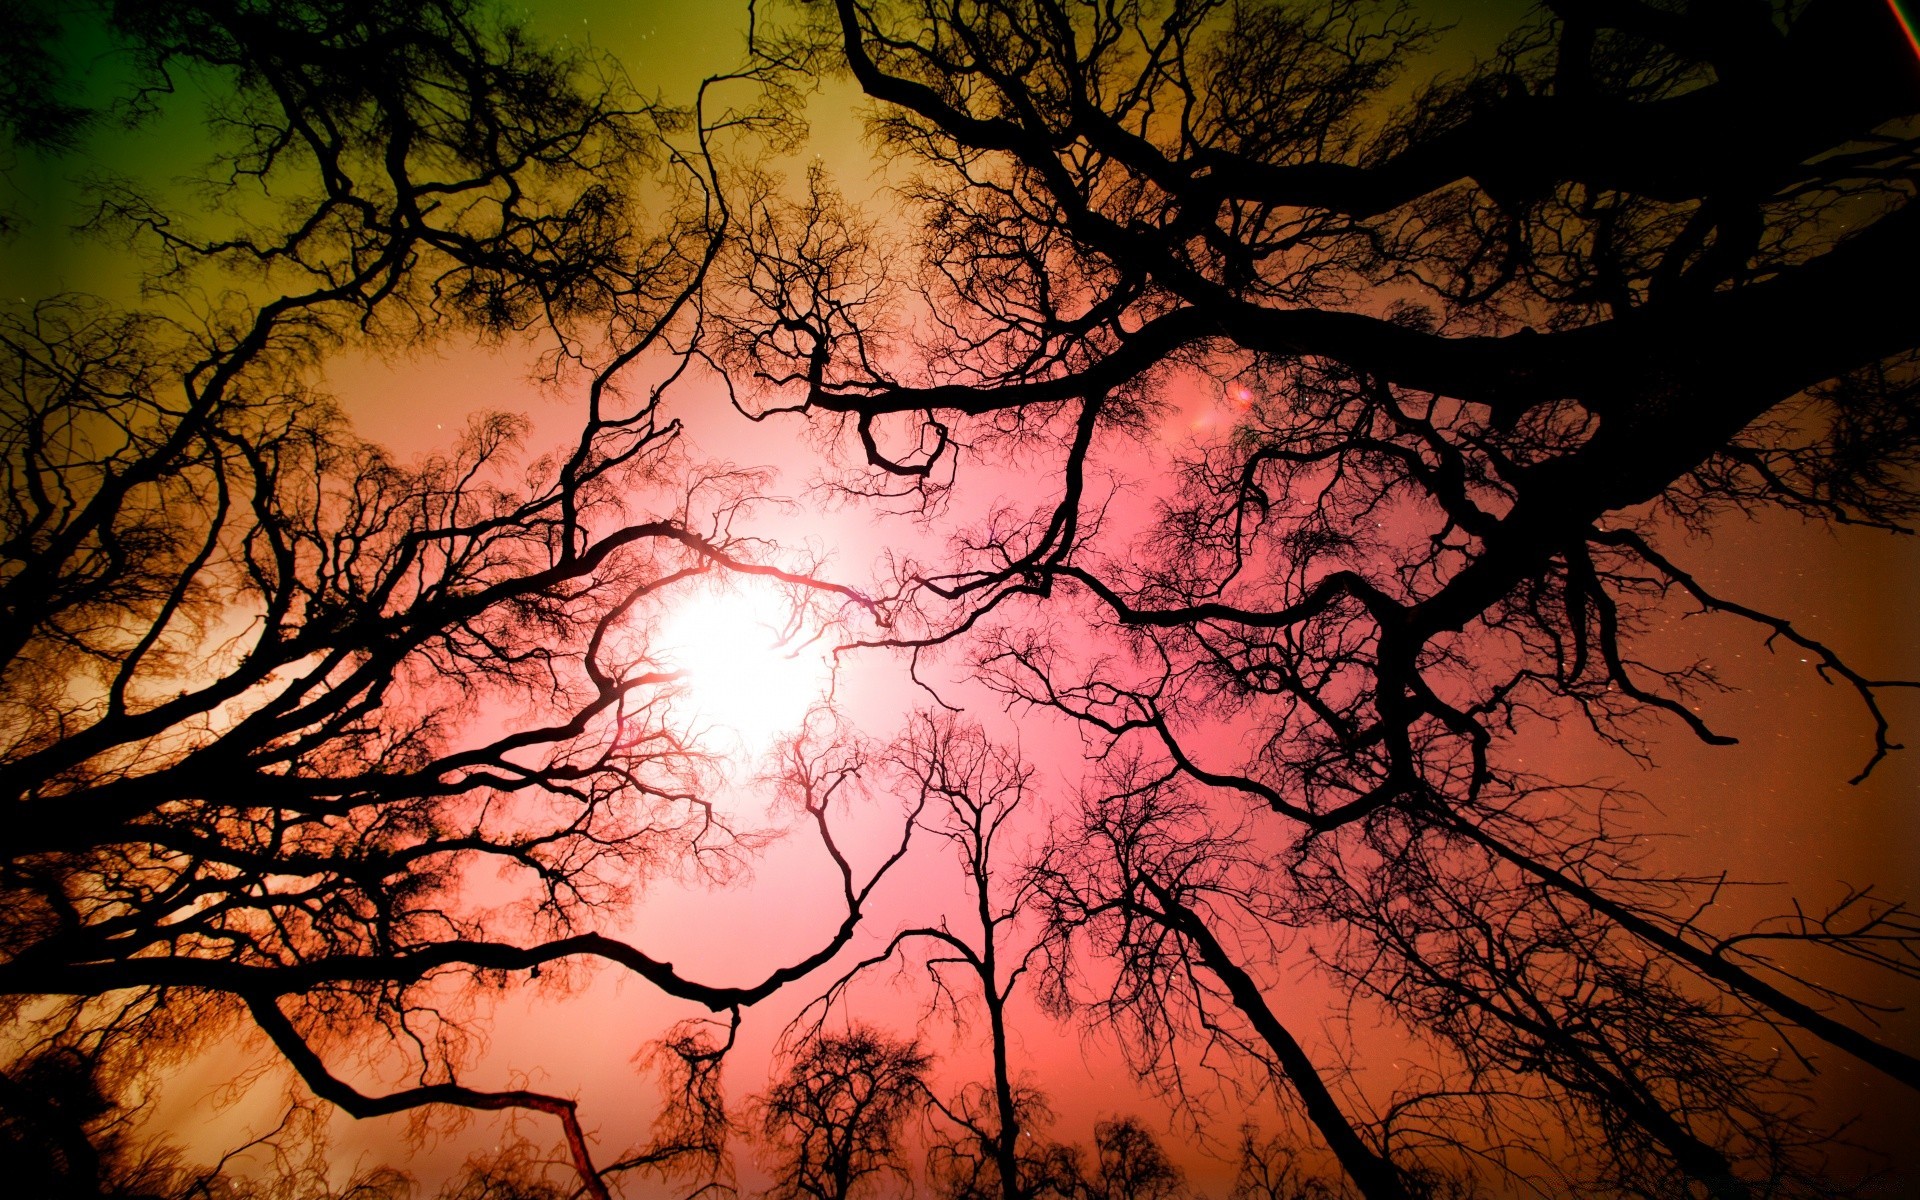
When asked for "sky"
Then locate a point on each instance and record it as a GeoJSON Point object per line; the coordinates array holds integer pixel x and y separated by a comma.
{"type": "Point", "coordinates": [1776, 807]}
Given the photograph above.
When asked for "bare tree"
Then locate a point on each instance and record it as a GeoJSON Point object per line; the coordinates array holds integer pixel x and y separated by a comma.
{"type": "Point", "coordinates": [1544, 1015]}
{"type": "Point", "coordinates": [1268, 1169]}
{"type": "Point", "coordinates": [970, 795]}
{"type": "Point", "coordinates": [271, 696]}
{"type": "Point", "coordinates": [1484, 351]}
{"type": "Point", "coordinates": [836, 1120]}
{"type": "Point", "coordinates": [974, 796]}
{"type": "Point", "coordinates": [1145, 885]}
{"type": "Point", "coordinates": [1132, 1165]}
{"type": "Point", "coordinates": [1486, 341]}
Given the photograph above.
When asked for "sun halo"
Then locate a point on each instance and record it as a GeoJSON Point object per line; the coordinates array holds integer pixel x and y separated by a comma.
{"type": "Point", "coordinates": [754, 663]}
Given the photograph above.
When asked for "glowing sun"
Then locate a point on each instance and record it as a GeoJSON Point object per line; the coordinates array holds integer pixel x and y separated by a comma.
{"type": "Point", "coordinates": [754, 662]}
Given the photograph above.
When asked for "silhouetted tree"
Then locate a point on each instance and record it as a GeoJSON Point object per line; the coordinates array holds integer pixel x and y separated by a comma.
{"type": "Point", "coordinates": [1128, 1164]}
{"type": "Point", "coordinates": [1268, 1169]}
{"type": "Point", "coordinates": [835, 1122]}
{"type": "Point", "coordinates": [970, 796]}
{"type": "Point", "coordinates": [61, 1135]}
{"type": "Point", "coordinates": [1483, 349]}
{"type": "Point", "coordinates": [38, 112]}
{"type": "Point", "coordinates": [1131, 1164]}
{"type": "Point", "coordinates": [271, 696]}
{"type": "Point", "coordinates": [1487, 340]}
{"type": "Point", "coordinates": [1143, 882]}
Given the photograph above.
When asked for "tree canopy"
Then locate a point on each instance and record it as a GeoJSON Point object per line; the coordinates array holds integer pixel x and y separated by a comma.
{"type": "Point", "coordinates": [308, 738]}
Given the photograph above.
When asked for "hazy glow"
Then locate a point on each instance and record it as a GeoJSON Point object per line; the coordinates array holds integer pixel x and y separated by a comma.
{"type": "Point", "coordinates": [753, 665]}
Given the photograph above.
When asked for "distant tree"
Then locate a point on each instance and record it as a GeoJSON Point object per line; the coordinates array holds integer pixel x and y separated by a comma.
{"type": "Point", "coordinates": [1483, 343]}
{"type": "Point", "coordinates": [971, 796]}
{"type": "Point", "coordinates": [38, 113]}
{"type": "Point", "coordinates": [1128, 1164]}
{"type": "Point", "coordinates": [509, 1175]}
{"type": "Point", "coordinates": [1132, 1165]}
{"type": "Point", "coordinates": [1267, 1169]}
{"type": "Point", "coordinates": [835, 1123]}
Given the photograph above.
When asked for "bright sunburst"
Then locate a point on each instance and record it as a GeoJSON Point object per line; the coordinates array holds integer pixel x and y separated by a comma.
{"type": "Point", "coordinates": [754, 665]}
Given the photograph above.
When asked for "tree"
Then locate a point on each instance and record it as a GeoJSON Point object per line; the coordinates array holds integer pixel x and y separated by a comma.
{"type": "Point", "coordinates": [970, 795]}
{"type": "Point", "coordinates": [60, 1135]}
{"type": "Point", "coordinates": [1143, 884]}
{"type": "Point", "coordinates": [36, 114]}
{"type": "Point", "coordinates": [1267, 1170]}
{"type": "Point", "coordinates": [1488, 349]}
{"type": "Point", "coordinates": [835, 1121]}
{"type": "Point", "coordinates": [272, 697]}
{"type": "Point", "coordinates": [1487, 341]}
{"type": "Point", "coordinates": [1132, 1164]}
